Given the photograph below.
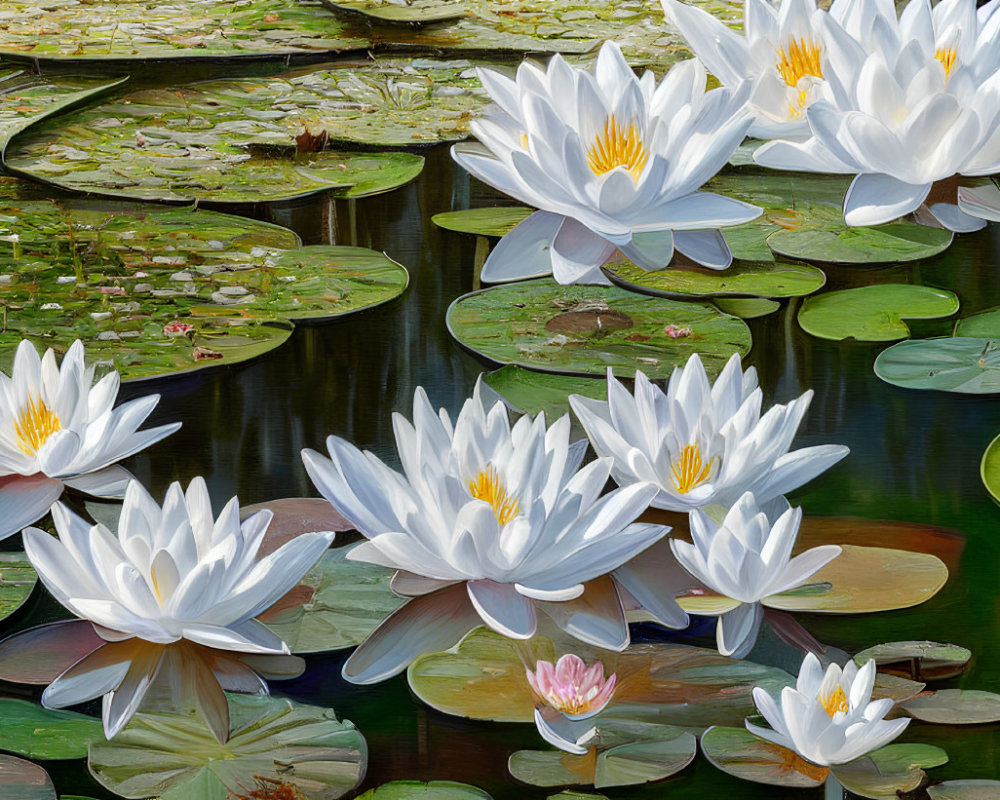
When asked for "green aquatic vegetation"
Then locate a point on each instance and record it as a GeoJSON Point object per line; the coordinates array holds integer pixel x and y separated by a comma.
{"type": "Point", "coordinates": [17, 579]}
{"type": "Point", "coordinates": [407, 12]}
{"type": "Point", "coordinates": [964, 364]}
{"type": "Point", "coordinates": [35, 732]}
{"type": "Point", "coordinates": [533, 392]}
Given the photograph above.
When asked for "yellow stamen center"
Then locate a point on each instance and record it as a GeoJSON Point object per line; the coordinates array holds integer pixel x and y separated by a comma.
{"type": "Point", "coordinates": [947, 56]}
{"type": "Point", "coordinates": [487, 487]}
{"type": "Point", "coordinates": [36, 423]}
{"type": "Point", "coordinates": [689, 470]}
{"type": "Point", "coordinates": [835, 702]}
{"type": "Point", "coordinates": [800, 57]}
{"type": "Point", "coordinates": [618, 146]}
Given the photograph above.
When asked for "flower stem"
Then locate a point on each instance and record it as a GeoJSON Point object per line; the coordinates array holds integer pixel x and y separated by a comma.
{"type": "Point", "coordinates": [834, 790]}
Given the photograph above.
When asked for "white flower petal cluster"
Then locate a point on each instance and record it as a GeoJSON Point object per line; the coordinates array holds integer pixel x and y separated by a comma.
{"type": "Point", "coordinates": [702, 444]}
{"type": "Point", "coordinates": [778, 51]}
{"type": "Point", "coordinates": [746, 558]}
{"type": "Point", "coordinates": [829, 718]}
{"type": "Point", "coordinates": [612, 161]}
{"type": "Point", "coordinates": [172, 573]}
{"type": "Point", "coordinates": [58, 428]}
{"type": "Point", "coordinates": [913, 100]}
{"type": "Point", "coordinates": [490, 524]}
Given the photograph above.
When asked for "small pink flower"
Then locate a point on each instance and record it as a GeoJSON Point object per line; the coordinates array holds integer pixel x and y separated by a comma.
{"type": "Point", "coordinates": [116, 291]}
{"type": "Point", "coordinates": [571, 687]}
{"type": "Point", "coordinates": [676, 333]}
{"type": "Point", "coordinates": [177, 328]}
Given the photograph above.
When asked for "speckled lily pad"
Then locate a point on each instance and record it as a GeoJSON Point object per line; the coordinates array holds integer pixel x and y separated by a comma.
{"type": "Point", "coordinates": [544, 326]}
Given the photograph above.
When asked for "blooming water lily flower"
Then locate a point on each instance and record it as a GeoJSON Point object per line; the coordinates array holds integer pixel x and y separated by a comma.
{"type": "Point", "coordinates": [702, 444]}
{"type": "Point", "coordinates": [914, 101]}
{"type": "Point", "coordinates": [492, 523]}
{"type": "Point", "coordinates": [174, 578]}
{"type": "Point", "coordinates": [829, 718]}
{"type": "Point", "coordinates": [571, 694]}
{"type": "Point", "coordinates": [613, 162]}
{"type": "Point", "coordinates": [746, 558]}
{"type": "Point", "coordinates": [57, 429]}
{"type": "Point", "coordinates": [779, 52]}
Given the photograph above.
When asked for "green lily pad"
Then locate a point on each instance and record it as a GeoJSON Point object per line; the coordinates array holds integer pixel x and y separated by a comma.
{"type": "Point", "coordinates": [989, 469]}
{"type": "Point", "coordinates": [570, 794]}
{"type": "Point", "coordinates": [418, 790]}
{"type": "Point", "coordinates": [587, 329]}
{"type": "Point", "coordinates": [918, 660]}
{"type": "Point", "coordinates": [955, 707]}
{"type": "Point", "coordinates": [950, 364]}
{"type": "Point", "coordinates": [746, 307]}
{"type": "Point", "coordinates": [984, 325]}
{"type": "Point", "coordinates": [965, 790]}
{"type": "Point", "coordinates": [409, 12]}
{"type": "Point", "coordinates": [873, 313]}
{"type": "Point", "coordinates": [343, 601]}
{"type": "Point", "coordinates": [22, 780]}
{"type": "Point", "coordinates": [884, 773]}
{"type": "Point", "coordinates": [532, 392]}
{"type": "Point", "coordinates": [483, 678]}
{"type": "Point", "coordinates": [803, 219]}
{"type": "Point", "coordinates": [625, 753]}
{"type": "Point", "coordinates": [154, 291]}
{"type": "Point", "coordinates": [739, 753]}
{"type": "Point", "coordinates": [17, 580]}
{"type": "Point", "coordinates": [275, 743]}
{"type": "Point", "coordinates": [754, 279]}
{"type": "Point", "coordinates": [36, 732]}
{"type": "Point", "coordinates": [495, 222]}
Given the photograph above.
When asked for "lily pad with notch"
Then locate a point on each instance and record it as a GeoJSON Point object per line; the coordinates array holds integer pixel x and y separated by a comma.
{"type": "Point", "coordinates": [960, 364]}
{"type": "Point", "coordinates": [921, 661]}
{"type": "Point", "coordinates": [873, 313]}
{"type": "Point", "coordinates": [541, 325]}
{"type": "Point", "coordinates": [890, 771]}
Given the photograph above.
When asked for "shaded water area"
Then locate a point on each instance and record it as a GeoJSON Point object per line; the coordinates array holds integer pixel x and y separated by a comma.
{"type": "Point", "coordinates": [914, 456]}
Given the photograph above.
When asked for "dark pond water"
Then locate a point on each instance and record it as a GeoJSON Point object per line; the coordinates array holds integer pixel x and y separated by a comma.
{"type": "Point", "coordinates": [914, 456]}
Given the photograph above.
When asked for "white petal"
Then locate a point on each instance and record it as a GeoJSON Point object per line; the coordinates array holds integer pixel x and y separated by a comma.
{"type": "Point", "coordinates": [503, 608]}
{"type": "Point", "coordinates": [578, 254]}
{"type": "Point", "coordinates": [525, 251]}
{"type": "Point", "coordinates": [707, 248]}
{"type": "Point", "coordinates": [874, 199]}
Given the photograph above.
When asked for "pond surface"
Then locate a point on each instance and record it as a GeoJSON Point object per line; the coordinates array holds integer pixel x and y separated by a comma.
{"type": "Point", "coordinates": [914, 457]}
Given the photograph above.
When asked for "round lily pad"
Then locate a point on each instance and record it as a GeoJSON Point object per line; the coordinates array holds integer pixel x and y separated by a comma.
{"type": "Point", "coordinates": [22, 780]}
{"type": "Point", "coordinates": [533, 392]}
{"type": "Point", "coordinates": [918, 660]}
{"type": "Point", "coordinates": [408, 12]}
{"type": "Point", "coordinates": [886, 773]}
{"type": "Point", "coordinates": [983, 325]}
{"type": "Point", "coordinates": [950, 364]}
{"type": "Point", "coordinates": [873, 313]}
{"type": "Point", "coordinates": [35, 732]}
{"type": "Point", "coordinates": [989, 469]}
{"type": "Point", "coordinates": [275, 745]}
{"type": "Point", "coordinates": [965, 790]}
{"type": "Point", "coordinates": [746, 307]}
{"type": "Point", "coordinates": [418, 790]}
{"type": "Point", "coordinates": [544, 326]}
{"type": "Point", "coordinates": [739, 753]}
{"type": "Point", "coordinates": [341, 602]}
{"type": "Point", "coordinates": [751, 279]}
{"type": "Point", "coordinates": [17, 579]}
{"type": "Point", "coordinates": [955, 707]}
{"type": "Point", "coordinates": [483, 221]}
{"type": "Point", "coordinates": [669, 683]}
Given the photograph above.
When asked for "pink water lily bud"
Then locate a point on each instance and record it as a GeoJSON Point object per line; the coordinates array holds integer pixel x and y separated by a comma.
{"type": "Point", "coordinates": [571, 687]}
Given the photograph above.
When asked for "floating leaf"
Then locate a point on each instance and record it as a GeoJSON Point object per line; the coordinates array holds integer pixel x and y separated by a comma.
{"type": "Point", "coordinates": [918, 660]}
{"type": "Point", "coordinates": [533, 392]}
{"type": "Point", "coordinates": [957, 364]}
{"type": "Point", "coordinates": [884, 773]}
{"type": "Point", "coordinates": [955, 707]}
{"type": "Point", "coordinates": [483, 221]}
{"type": "Point", "coordinates": [570, 794]}
{"type": "Point", "coordinates": [745, 278]}
{"type": "Point", "coordinates": [17, 579]}
{"type": "Point", "coordinates": [896, 688]}
{"type": "Point", "coordinates": [408, 12]}
{"type": "Point", "coordinates": [36, 732]}
{"type": "Point", "coordinates": [739, 753]}
{"type": "Point", "coordinates": [344, 601]}
{"type": "Point", "coordinates": [984, 325]}
{"type": "Point", "coordinates": [483, 678]}
{"type": "Point", "coordinates": [746, 307]}
{"type": "Point", "coordinates": [293, 516]}
{"type": "Point", "coordinates": [873, 313]}
{"type": "Point", "coordinates": [22, 780]}
{"type": "Point", "coordinates": [275, 743]}
{"type": "Point", "coordinates": [544, 326]}
{"type": "Point", "coordinates": [965, 790]}
{"type": "Point", "coordinates": [418, 790]}
{"type": "Point", "coordinates": [39, 655]}
{"type": "Point", "coordinates": [989, 469]}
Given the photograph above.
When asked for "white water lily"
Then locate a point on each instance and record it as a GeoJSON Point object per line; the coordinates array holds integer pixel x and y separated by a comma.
{"type": "Point", "coordinates": [829, 718]}
{"type": "Point", "coordinates": [778, 51]}
{"type": "Point", "coordinates": [613, 162]}
{"type": "Point", "coordinates": [702, 444]}
{"type": "Point", "coordinates": [58, 428]}
{"type": "Point", "coordinates": [914, 100]}
{"type": "Point", "coordinates": [746, 558]}
{"type": "Point", "coordinates": [492, 523]}
{"type": "Point", "coordinates": [172, 576]}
